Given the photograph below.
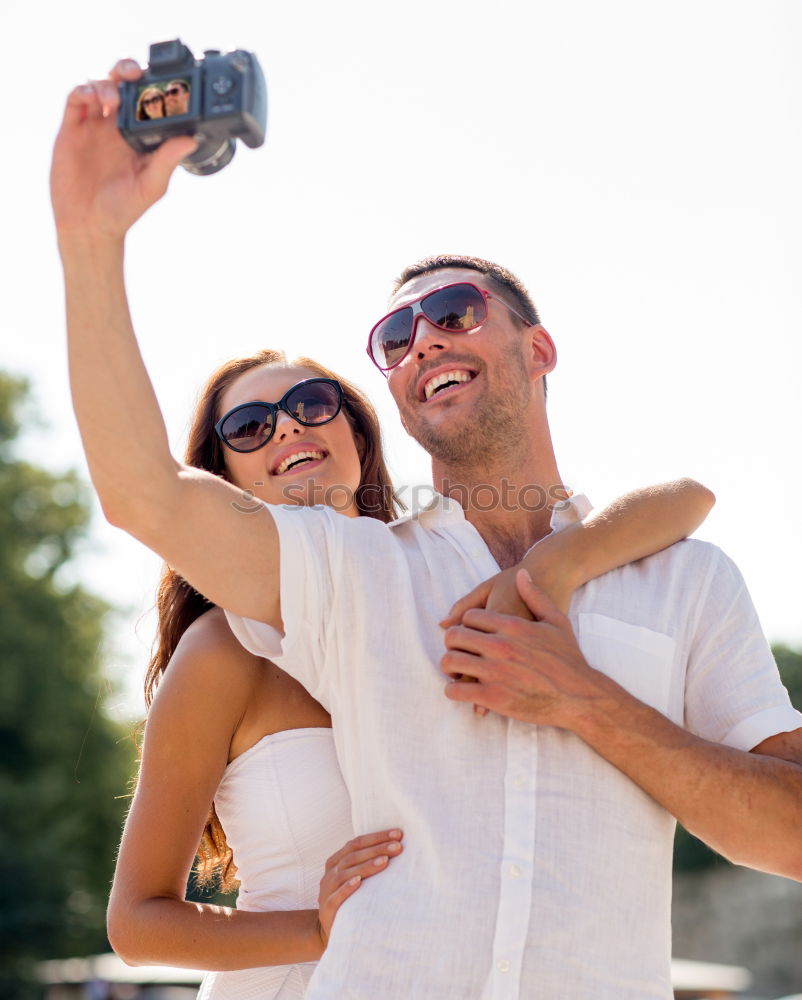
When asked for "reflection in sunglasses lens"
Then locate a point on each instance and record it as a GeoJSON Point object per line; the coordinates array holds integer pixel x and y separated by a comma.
{"type": "Point", "coordinates": [460, 307]}
{"type": "Point", "coordinates": [246, 429]}
{"type": "Point", "coordinates": [457, 308]}
{"type": "Point", "coordinates": [252, 425]}
{"type": "Point", "coordinates": [391, 340]}
{"type": "Point", "coordinates": [313, 404]}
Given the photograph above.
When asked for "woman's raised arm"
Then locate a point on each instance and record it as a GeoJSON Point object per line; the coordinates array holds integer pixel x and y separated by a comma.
{"type": "Point", "coordinates": [100, 187]}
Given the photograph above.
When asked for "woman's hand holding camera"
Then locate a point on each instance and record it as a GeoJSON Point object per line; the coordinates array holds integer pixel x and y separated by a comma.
{"type": "Point", "coordinates": [99, 185]}
{"type": "Point", "coordinates": [359, 859]}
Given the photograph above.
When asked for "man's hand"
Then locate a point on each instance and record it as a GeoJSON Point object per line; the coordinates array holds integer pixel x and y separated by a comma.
{"type": "Point", "coordinates": [528, 670]}
{"type": "Point", "coordinates": [553, 573]}
{"type": "Point", "coordinates": [497, 593]}
{"type": "Point", "coordinates": [99, 185]}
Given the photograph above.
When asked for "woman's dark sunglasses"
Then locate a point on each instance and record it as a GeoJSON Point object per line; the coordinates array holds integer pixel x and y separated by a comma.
{"type": "Point", "coordinates": [250, 426]}
{"type": "Point", "coordinates": [457, 308]}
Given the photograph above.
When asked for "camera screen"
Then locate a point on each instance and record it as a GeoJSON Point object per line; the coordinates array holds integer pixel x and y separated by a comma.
{"type": "Point", "coordinates": [164, 99]}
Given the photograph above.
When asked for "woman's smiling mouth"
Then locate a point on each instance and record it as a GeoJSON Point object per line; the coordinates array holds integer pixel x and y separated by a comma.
{"type": "Point", "coordinates": [298, 459]}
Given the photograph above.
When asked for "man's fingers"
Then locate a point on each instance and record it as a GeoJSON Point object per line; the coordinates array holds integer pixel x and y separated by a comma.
{"type": "Point", "coordinates": [477, 598]}
{"type": "Point", "coordinates": [108, 96]}
{"type": "Point", "coordinates": [83, 102]}
{"type": "Point", "coordinates": [99, 98]}
{"type": "Point", "coordinates": [459, 665]}
{"type": "Point", "coordinates": [482, 620]}
{"type": "Point", "coordinates": [125, 69]}
{"type": "Point", "coordinates": [468, 640]}
{"type": "Point", "coordinates": [538, 601]}
{"type": "Point", "coordinates": [475, 694]}
{"type": "Point", "coordinates": [161, 163]}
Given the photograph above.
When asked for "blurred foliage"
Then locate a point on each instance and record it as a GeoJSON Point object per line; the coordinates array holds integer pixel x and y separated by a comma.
{"type": "Point", "coordinates": [789, 662]}
{"type": "Point", "coordinates": [691, 854]}
{"type": "Point", "coordinates": [63, 763]}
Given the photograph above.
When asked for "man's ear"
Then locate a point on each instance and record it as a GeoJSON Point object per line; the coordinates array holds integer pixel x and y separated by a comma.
{"type": "Point", "coordinates": [541, 353]}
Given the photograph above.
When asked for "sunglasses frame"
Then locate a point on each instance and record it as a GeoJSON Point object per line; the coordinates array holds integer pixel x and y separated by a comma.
{"type": "Point", "coordinates": [417, 312]}
{"type": "Point", "coordinates": [274, 409]}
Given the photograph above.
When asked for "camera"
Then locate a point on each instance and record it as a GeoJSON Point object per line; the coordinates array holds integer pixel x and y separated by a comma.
{"type": "Point", "coordinates": [216, 99]}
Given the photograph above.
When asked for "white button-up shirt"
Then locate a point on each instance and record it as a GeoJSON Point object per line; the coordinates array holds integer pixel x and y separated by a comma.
{"type": "Point", "coordinates": [531, 867]}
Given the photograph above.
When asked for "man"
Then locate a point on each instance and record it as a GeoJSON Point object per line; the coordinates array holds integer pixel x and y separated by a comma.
{"type": "Point", "coordinates": [176, 98]}
{"type": "Point", "coordinates": [546, 864]}
{"type": "Point", "coordinates": [538, 838]}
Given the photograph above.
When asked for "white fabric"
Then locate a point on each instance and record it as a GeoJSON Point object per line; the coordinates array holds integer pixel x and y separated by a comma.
{"type": "Point", "coordinates": [285, 810]}
{"type": "Point", "coordinates": [532, 867]}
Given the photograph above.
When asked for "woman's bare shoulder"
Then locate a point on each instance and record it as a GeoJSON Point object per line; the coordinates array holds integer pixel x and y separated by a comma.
{"type": "Point", "coordinates": [211, 672]}
{"type": "Point", "coordinates": [208, 656]}
{"type": "Point", "coordinates": [210, 635]}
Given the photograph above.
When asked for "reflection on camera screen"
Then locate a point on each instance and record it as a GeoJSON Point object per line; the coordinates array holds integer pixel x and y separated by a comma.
{"type": "Point", "coordinates": [164, 99]}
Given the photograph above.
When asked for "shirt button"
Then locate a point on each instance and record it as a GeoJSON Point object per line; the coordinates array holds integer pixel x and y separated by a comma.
{"type": "Point", "coordinates": [515, 871]}
{"type": "Point", "coordinates": [503, 965]}
{"type": "Point", "coordinates": [520, 781]}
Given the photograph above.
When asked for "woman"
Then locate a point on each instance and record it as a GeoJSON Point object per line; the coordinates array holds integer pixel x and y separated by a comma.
{"type": "Point", "coordinates": [150, 104]}
{"type": "Point", "coordinates": [250, 726]}
{"type": "Point", "coordinates": [218, 707]}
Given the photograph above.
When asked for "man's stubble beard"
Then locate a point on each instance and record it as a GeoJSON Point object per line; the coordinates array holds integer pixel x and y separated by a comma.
{"type": "Point", "coordinates": [493, 434]}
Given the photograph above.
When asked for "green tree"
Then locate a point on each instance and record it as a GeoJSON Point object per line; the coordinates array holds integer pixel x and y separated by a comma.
{"type": "Point", "coordinates": [691, 854]}
{"type": "Point", "coordinates": [789, 662]}
{"type": "Point", "coordinates": [64, 764]}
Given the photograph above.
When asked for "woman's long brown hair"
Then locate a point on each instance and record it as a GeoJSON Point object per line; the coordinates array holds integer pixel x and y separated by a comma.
{"type": "Point", "coordinates": [178, 604]}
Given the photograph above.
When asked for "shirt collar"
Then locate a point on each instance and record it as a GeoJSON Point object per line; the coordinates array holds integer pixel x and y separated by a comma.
{"type": "Point", "coordinates": [567, 512]}
{"type": "Point", "coordinates": [439, 510]}
{"type": "Point", "coordinates": [445, 510]}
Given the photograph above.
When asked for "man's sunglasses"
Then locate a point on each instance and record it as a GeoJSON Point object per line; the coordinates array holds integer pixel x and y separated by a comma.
{"type": "Point", "coordinates": [174, 92]}
{"type": "Point", "coordinates": [250, 426]}
{"type": "Point", "coordinates": [457, 308]}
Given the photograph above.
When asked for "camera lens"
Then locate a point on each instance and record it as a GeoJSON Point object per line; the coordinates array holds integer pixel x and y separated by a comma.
{"type": "Point", "coordinates": [209, 157]}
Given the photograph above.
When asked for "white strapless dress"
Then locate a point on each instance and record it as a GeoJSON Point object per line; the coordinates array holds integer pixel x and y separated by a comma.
{"type": "Point", "coordinates": [285, 810]}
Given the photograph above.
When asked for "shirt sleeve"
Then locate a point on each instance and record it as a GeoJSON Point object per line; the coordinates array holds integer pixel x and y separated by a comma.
{"type": "Point", "coordinates": [733, 691]}
{"type": "Point", "coordinates": [309, 545]}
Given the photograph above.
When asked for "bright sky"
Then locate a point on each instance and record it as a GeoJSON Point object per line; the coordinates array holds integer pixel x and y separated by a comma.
{"type": "Point", "coordinates": [637, 164]}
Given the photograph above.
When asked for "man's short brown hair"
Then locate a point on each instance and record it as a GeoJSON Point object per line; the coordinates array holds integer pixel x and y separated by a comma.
{"type": "Point", "coordinates": [511, 288]}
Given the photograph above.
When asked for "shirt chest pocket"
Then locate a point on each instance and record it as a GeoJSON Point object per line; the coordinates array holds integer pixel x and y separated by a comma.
{"type": "Point", "coordinates": [637, 658]}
